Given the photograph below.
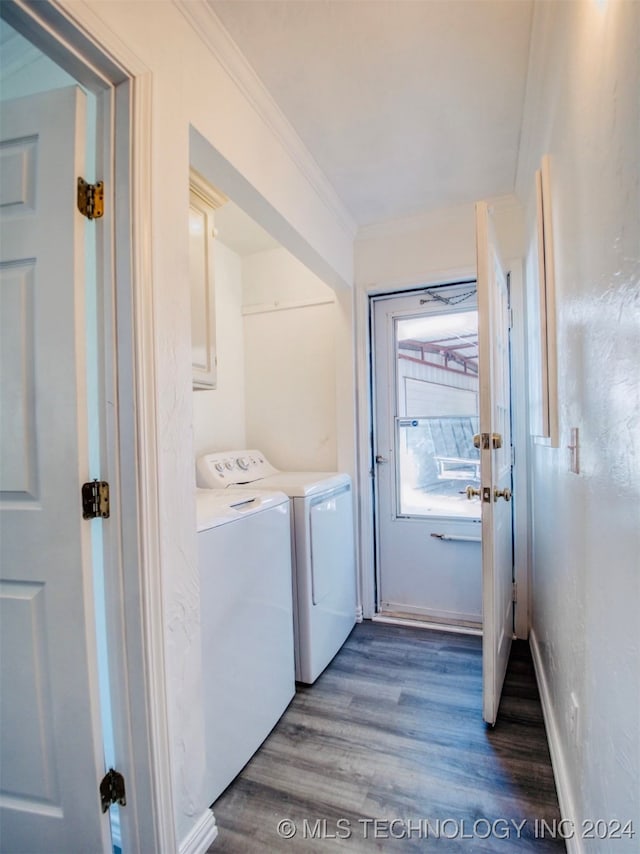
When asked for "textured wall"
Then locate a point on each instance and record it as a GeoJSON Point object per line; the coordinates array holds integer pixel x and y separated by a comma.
{"type": "Point", "coordinates": [290, 363]}
{"type": "Point", "coordinates": [583, 109]}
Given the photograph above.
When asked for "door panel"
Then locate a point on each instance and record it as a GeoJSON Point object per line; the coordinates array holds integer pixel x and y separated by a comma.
{"type": "Point", "coordinates": [495, 420]}
{"type": "Point", "coordinates": [426, 413]}
{"type": "Point", "coordinates": [51, 760]}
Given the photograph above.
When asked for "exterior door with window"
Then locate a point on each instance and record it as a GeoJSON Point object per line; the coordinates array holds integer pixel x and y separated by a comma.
{"type": "Point", "coordinates": [425, 370]}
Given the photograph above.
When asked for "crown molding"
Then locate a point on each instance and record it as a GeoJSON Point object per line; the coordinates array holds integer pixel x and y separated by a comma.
{"type": "Point", "coordinates": [213, 33]}
{"type": "Point", "coordinates": [414, 222]}
{"type": "Point", "coordinates": [425, 219]}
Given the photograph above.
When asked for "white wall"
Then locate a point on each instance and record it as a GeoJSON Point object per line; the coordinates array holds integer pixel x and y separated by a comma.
{"type": "Point", "coordinates": [583, 109]}
{"type": "Point", "coordinates": [290, 362]}
{"type": "Point", "coordinates": [219, 413]}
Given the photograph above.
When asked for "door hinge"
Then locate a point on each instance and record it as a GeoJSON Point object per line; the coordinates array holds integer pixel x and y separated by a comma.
{"type": "Point", "coordinates": [95, 500]}
{"type": "Point", "coordinates": [112, 790]}
{"type": "Point", "coordinates": [91, 199]}
{"type": "Point", "coordinates": [514, 593]}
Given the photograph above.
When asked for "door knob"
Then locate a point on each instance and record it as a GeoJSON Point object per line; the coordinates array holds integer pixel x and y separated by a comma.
{"type": "Point", "coordinates": [472, 492]}
{"type": "Point", "coordinates": [502, 493]}
{"type": "Point", "coordinates": [381, 459]}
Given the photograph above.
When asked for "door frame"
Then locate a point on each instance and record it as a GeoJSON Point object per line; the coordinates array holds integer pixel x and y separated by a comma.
{"type": "Point", "coordinates": [77, 40]}
{"type": "Point", "coordinates": [365, 428]}
{"type": "Point", "coordinates": [384, 315]}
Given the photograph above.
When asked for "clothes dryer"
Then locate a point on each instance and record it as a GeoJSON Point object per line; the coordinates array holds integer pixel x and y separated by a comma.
{"type": "Point", "coordinates": [324, 583]}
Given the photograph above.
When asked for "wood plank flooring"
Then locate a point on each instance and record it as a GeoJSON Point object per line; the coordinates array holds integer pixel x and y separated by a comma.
{"type": "Point", "coordinates": [392, 731]}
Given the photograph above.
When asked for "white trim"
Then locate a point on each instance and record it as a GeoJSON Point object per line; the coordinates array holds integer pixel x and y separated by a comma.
{"type": "Point", "coordinates": [213, 33]}
{"type": "Point", "coordinates": [422, 221]}
{"type": "Point", "coordinates": [426, 624]}
{"type": "Point", "coordinates": [147, 457]}
{"type": "Point", "coordinates": [201, 835]}
{"type": "Point", "coordinates": [519, 438]}
{"type": "Point", "coordinates": [561, 774]}
{"type": "Point", "coordinates": [210, 195]}
{"type": "Point", "coordinates": [106, 42]}
{"type": "Point", "coordinates": [415, 282]}
{"type": "Point", "coordinates": [364, 471]}
{"type": "Point", "coordinates": [435, 615]}
{"type": "Point", "coordinates": [265, 308]}
{"type": "Point", "coordinates": [408, 224]}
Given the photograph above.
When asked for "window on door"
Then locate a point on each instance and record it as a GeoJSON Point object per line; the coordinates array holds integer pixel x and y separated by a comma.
{"type": "Point", "coordinates": [436, 359]}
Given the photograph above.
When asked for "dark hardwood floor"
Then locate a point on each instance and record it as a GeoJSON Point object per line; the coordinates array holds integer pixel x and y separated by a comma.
{"type": "Point", "coordinates": [392, 731]}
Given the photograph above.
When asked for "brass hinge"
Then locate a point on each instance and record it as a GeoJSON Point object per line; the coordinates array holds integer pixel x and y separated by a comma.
{"type": "Point", "coordinates": [95, 500]}
{"type": "Point", "coordinates": [91, 199]}
{"type": "Point", "coordinates": [514, 594]}
{"type": "Point", "coordinates": [112, 790]}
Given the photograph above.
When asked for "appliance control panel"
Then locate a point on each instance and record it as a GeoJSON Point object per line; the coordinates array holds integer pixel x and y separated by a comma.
{"type": "Point", "coordinates": [229, 468]}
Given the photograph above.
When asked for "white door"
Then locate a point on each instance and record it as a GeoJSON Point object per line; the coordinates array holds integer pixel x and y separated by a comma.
{"type": "Point", "coordinates": [425, 376]}
{"type": "Point", "coordinates": [50, 762]}
{"type": "Point", "coordinates": [495, 441]}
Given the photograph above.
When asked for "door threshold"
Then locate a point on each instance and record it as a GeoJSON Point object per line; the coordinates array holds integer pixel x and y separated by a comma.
{"type": "Point", "coordinates": [416, 622]}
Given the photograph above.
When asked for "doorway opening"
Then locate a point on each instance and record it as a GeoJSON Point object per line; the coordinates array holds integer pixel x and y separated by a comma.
{"type": "Point", "coordinates": [427, 468]}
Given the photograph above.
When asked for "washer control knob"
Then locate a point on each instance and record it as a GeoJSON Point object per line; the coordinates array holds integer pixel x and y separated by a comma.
{"type": "Point", "coordinates": [229, 464]}
{"type": "Point", "coordinates": [243, 463]}
{"type": "Point", "coordinates": [219, 467]}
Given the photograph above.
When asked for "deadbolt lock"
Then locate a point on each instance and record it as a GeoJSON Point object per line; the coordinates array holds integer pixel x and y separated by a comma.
{"type": "Point", "coordinates": [502, 493]}
{"type": "Point", "coordinates": [486, 441]}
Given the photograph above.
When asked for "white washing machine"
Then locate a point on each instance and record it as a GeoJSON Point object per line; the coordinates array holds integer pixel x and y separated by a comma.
{"type": "Point", "coordinates": [244, 562]}
{"type": "Point", "coordinates": [324, 579]}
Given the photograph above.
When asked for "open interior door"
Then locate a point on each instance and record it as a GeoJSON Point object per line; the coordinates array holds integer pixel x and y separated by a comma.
{"type": "Point", "coordinates": [495, 443]}
{"type": "Point", "coordinates": [51, 757]}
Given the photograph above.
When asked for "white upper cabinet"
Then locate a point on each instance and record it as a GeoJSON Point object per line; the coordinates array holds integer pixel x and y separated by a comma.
{"type": "Point", "coordinates": [203, 202]}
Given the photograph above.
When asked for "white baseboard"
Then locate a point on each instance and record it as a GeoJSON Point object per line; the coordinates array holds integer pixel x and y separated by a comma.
{"type": "Point", "coordinates": [558, 762]}
{"type": "Point", "coordinates": [201, 835]}
{"type": "Point", "coordinates": [397, 620]}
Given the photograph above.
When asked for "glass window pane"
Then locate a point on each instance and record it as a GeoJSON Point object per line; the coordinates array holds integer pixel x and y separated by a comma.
{"type": "Point", "coordinates": [437, 405]}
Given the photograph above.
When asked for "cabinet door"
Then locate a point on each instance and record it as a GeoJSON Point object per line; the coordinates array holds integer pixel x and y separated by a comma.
{"type": "Point", "coordinates": [203, 201]}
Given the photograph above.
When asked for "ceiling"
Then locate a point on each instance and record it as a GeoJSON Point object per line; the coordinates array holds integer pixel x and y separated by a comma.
{"type": "Point", "coordinates": [408, 105]}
